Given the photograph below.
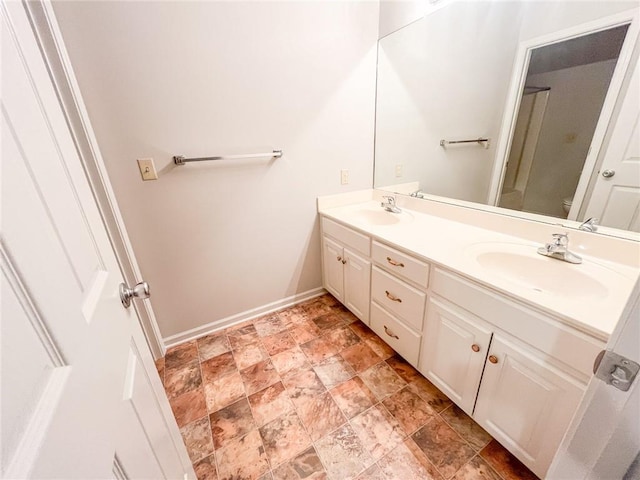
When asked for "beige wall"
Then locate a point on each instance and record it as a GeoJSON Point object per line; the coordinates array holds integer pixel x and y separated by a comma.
{"type": "Point", "coordinates": [202, 78]}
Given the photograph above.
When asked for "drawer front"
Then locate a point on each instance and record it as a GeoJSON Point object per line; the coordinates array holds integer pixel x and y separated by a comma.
{"type": "Point", "coordinates": [400, 263]}
{"type": "Point", "coordinates": [400, 299]}
{"type": "Point", "coordinates": [348, 237]}
{"type": "Point", "coordinates": [399, 337]}
{"type": "Point", "coordinates": [550, 336]}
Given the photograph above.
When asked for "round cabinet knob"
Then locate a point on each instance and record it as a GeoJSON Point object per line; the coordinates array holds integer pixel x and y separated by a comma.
{"type": "Point", "coordinates": [493, 359]}
{"type": "Point", "coordinates": [608, 173]}
{"type": "Point", "coordinates": [475, 347]}
{"type": "Point", "coordinates": [141, 290]}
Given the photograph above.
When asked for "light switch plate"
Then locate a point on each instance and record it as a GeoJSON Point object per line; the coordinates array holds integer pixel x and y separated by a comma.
{"type": "Point", "coordinates": [344, 177]}
{"type": "Point", "coordinates": [147, 169]}
{"type": "Point", "coordinates": [399, 169]}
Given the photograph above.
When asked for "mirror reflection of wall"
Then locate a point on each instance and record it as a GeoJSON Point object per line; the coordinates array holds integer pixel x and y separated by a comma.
{"type": "Point", "coordinates": [564, 91]}
{"type": "Point", "coordinates": [448, 76]}
{"type": "Point", "coordinates": [435, 82]}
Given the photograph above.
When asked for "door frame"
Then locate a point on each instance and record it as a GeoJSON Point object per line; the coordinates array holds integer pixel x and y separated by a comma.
{"type": "Point", "coordinates": [50, 41]}
{"type": "Point", "coordinates": [518, 78]}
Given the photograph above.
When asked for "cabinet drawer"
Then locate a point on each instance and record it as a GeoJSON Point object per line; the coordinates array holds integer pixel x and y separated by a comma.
{"type": "Point", "coordinates": [400, 263]}
{"type": "Point", "coordinates": [348, 237]}
{"type": "Point", "coordinates": [573, 348]}
{"type": "Point", "coordinates": [399, 337]}
{"type": "Point", "coordinates": [399, 298]}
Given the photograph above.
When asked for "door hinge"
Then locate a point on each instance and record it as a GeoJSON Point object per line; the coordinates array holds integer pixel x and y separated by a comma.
{"type": "Point", "coordinates": [615, 370]}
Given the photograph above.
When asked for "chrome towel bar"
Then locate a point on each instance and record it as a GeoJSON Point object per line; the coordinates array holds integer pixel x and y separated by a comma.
{"type": "Point", "coordinates": [480, 141]}
{"type": "Point", "coordinates": [181, 160]}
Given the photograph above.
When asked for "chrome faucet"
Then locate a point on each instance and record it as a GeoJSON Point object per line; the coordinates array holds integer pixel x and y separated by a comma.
{"type": "Point", "coordinates": [559, 249]}
{"type": "Point", "coordinates": [390, 204]}
{"type": "Point", "coordinates": [590, 225]}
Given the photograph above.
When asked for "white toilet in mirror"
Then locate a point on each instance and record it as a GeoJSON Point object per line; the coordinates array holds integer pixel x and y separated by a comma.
{"type": "Point", "coordinates": [566, 204]}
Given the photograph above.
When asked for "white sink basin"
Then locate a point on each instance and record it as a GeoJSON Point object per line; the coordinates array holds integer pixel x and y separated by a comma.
{"type": "Point", "coordinates": [522, 266]}
{"type": "Point", "coordinates": [379, 216]}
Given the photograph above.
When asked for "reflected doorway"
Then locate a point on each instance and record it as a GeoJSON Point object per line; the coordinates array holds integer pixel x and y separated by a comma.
{"type": "Point", "coordinates": [565, 89]}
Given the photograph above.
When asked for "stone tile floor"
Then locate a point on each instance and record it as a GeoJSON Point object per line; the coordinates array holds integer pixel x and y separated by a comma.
{"type": "Point", "coordinates": [310, 392]}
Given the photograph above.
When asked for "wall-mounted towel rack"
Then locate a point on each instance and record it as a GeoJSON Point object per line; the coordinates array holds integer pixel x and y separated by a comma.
{"type": "Point", "coordinates": [480, 141]}
{"type": "Point", "coordinates": [181, 160]}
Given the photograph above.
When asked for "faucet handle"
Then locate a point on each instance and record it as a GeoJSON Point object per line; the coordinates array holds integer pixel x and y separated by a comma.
{"type": "Point", "coordinates": [391, 200]}
{"type": "Point", "coordinates": [589, 225]}
{"type": "Point", "coordinates": [561, 239]}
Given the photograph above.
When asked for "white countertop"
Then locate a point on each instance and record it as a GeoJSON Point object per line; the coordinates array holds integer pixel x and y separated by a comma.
{"type": "Point", "coordinates": [452, 244]}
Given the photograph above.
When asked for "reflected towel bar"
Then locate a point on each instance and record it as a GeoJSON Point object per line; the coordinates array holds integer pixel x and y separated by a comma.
{"type": "Point", "coordinates": [480, 141]}
{"type": "Point", "coordinates": [181, 160]}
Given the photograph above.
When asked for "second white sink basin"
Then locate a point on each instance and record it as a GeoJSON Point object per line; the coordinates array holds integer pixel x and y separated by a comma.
{"type": "Point", "coordinates": [521, 265]}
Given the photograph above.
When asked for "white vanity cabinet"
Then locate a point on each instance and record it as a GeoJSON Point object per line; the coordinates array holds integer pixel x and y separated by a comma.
{"type": "Point", "coordinates": [454, 351]}
{"type": "Point", "coordinates": [398, 295]}
{"type": "Point", "coordinates": [346, 269]}
{"type": "Point", "coordinates": [516, 360]}
{"type": "Point", "coordinates": [520, 374]}
{"type": "Point", "coordinates": [525, 402]}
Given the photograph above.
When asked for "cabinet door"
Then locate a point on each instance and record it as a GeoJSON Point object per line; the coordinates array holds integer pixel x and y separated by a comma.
{"type": "Point", "coordinates": [455, 346]}
{"type": "Point", "coordinates": [332, 257]}
{"type": "Point", "coordinates": [357, 276]}
{"type": "Point", "coordinates": [525, 403]}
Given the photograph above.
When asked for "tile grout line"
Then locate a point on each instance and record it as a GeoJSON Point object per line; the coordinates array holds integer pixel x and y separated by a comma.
{"type": "Point", "coordinates": [476, 452]}
{"type": "Point", "coordinates": [347, 420]}
{"type": "Point", "coordinates": [215, 460]}
{"type": "Point", "coordinates": [405, 437]}
{"type": "Point", "coordinates": [296, 410]}
{"type": "Point", "coordinates": [213, 446]}
{"type": "Point", "coordinates": [313, 442]}
{"type": "Point", "coordinates": [246, 397]}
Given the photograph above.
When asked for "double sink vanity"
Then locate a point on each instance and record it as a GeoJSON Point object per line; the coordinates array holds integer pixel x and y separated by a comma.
{"type": "Point", "coordinates": [463, 295]}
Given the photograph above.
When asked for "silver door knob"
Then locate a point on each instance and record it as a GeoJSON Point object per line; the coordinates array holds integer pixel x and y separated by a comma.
{"type": "Point", "coordinates": [608, 173]}
{"type": "Point", "coordinates": [141, 290]}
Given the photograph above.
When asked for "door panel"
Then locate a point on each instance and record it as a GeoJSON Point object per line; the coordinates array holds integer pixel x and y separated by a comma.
{"type": "Point", "coordinates": [616, 200]}
{"type": "Point", "coordinates": [333, 268]}
{"type": "Point", "coordinates": [357, 273]}
{"type": "Point", "coordinates": [30, 361]}
{"type": "Point", "coordinates": [66, 338]}
{"type": "Point", "coordinates": [525, 403]}
{"type": "Point", "coordinates": [448, 358]}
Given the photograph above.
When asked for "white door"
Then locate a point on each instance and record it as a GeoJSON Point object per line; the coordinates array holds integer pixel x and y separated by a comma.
{"type": "Point", "coordinates": [333, 271]}
{"type": "Point", "coordinates": [616, 195]}
{"type": "Point", "coordinates": [357, 281]}
{"type": "Point", "coordinates": [80, 397]}
{"type": "Point", "coordinates": [525, 403]}
{"type": "Point", "coordinates": [604, 437]}
{"type": "Point", "coordinates": [455, 347]}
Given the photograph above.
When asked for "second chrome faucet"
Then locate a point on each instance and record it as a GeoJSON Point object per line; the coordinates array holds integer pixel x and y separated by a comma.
{"type": "Point", "coordinates": [559, 249]}
{"type": "Point", "coordinates": [390, 204]}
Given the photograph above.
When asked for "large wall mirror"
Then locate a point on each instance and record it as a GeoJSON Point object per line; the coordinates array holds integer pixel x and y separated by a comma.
{"type": "Point", "coordinates": [513, 104]}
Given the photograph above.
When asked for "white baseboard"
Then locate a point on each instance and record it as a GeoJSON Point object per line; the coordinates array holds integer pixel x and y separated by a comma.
{"type": "Point", "coordinates": [241, 317]}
